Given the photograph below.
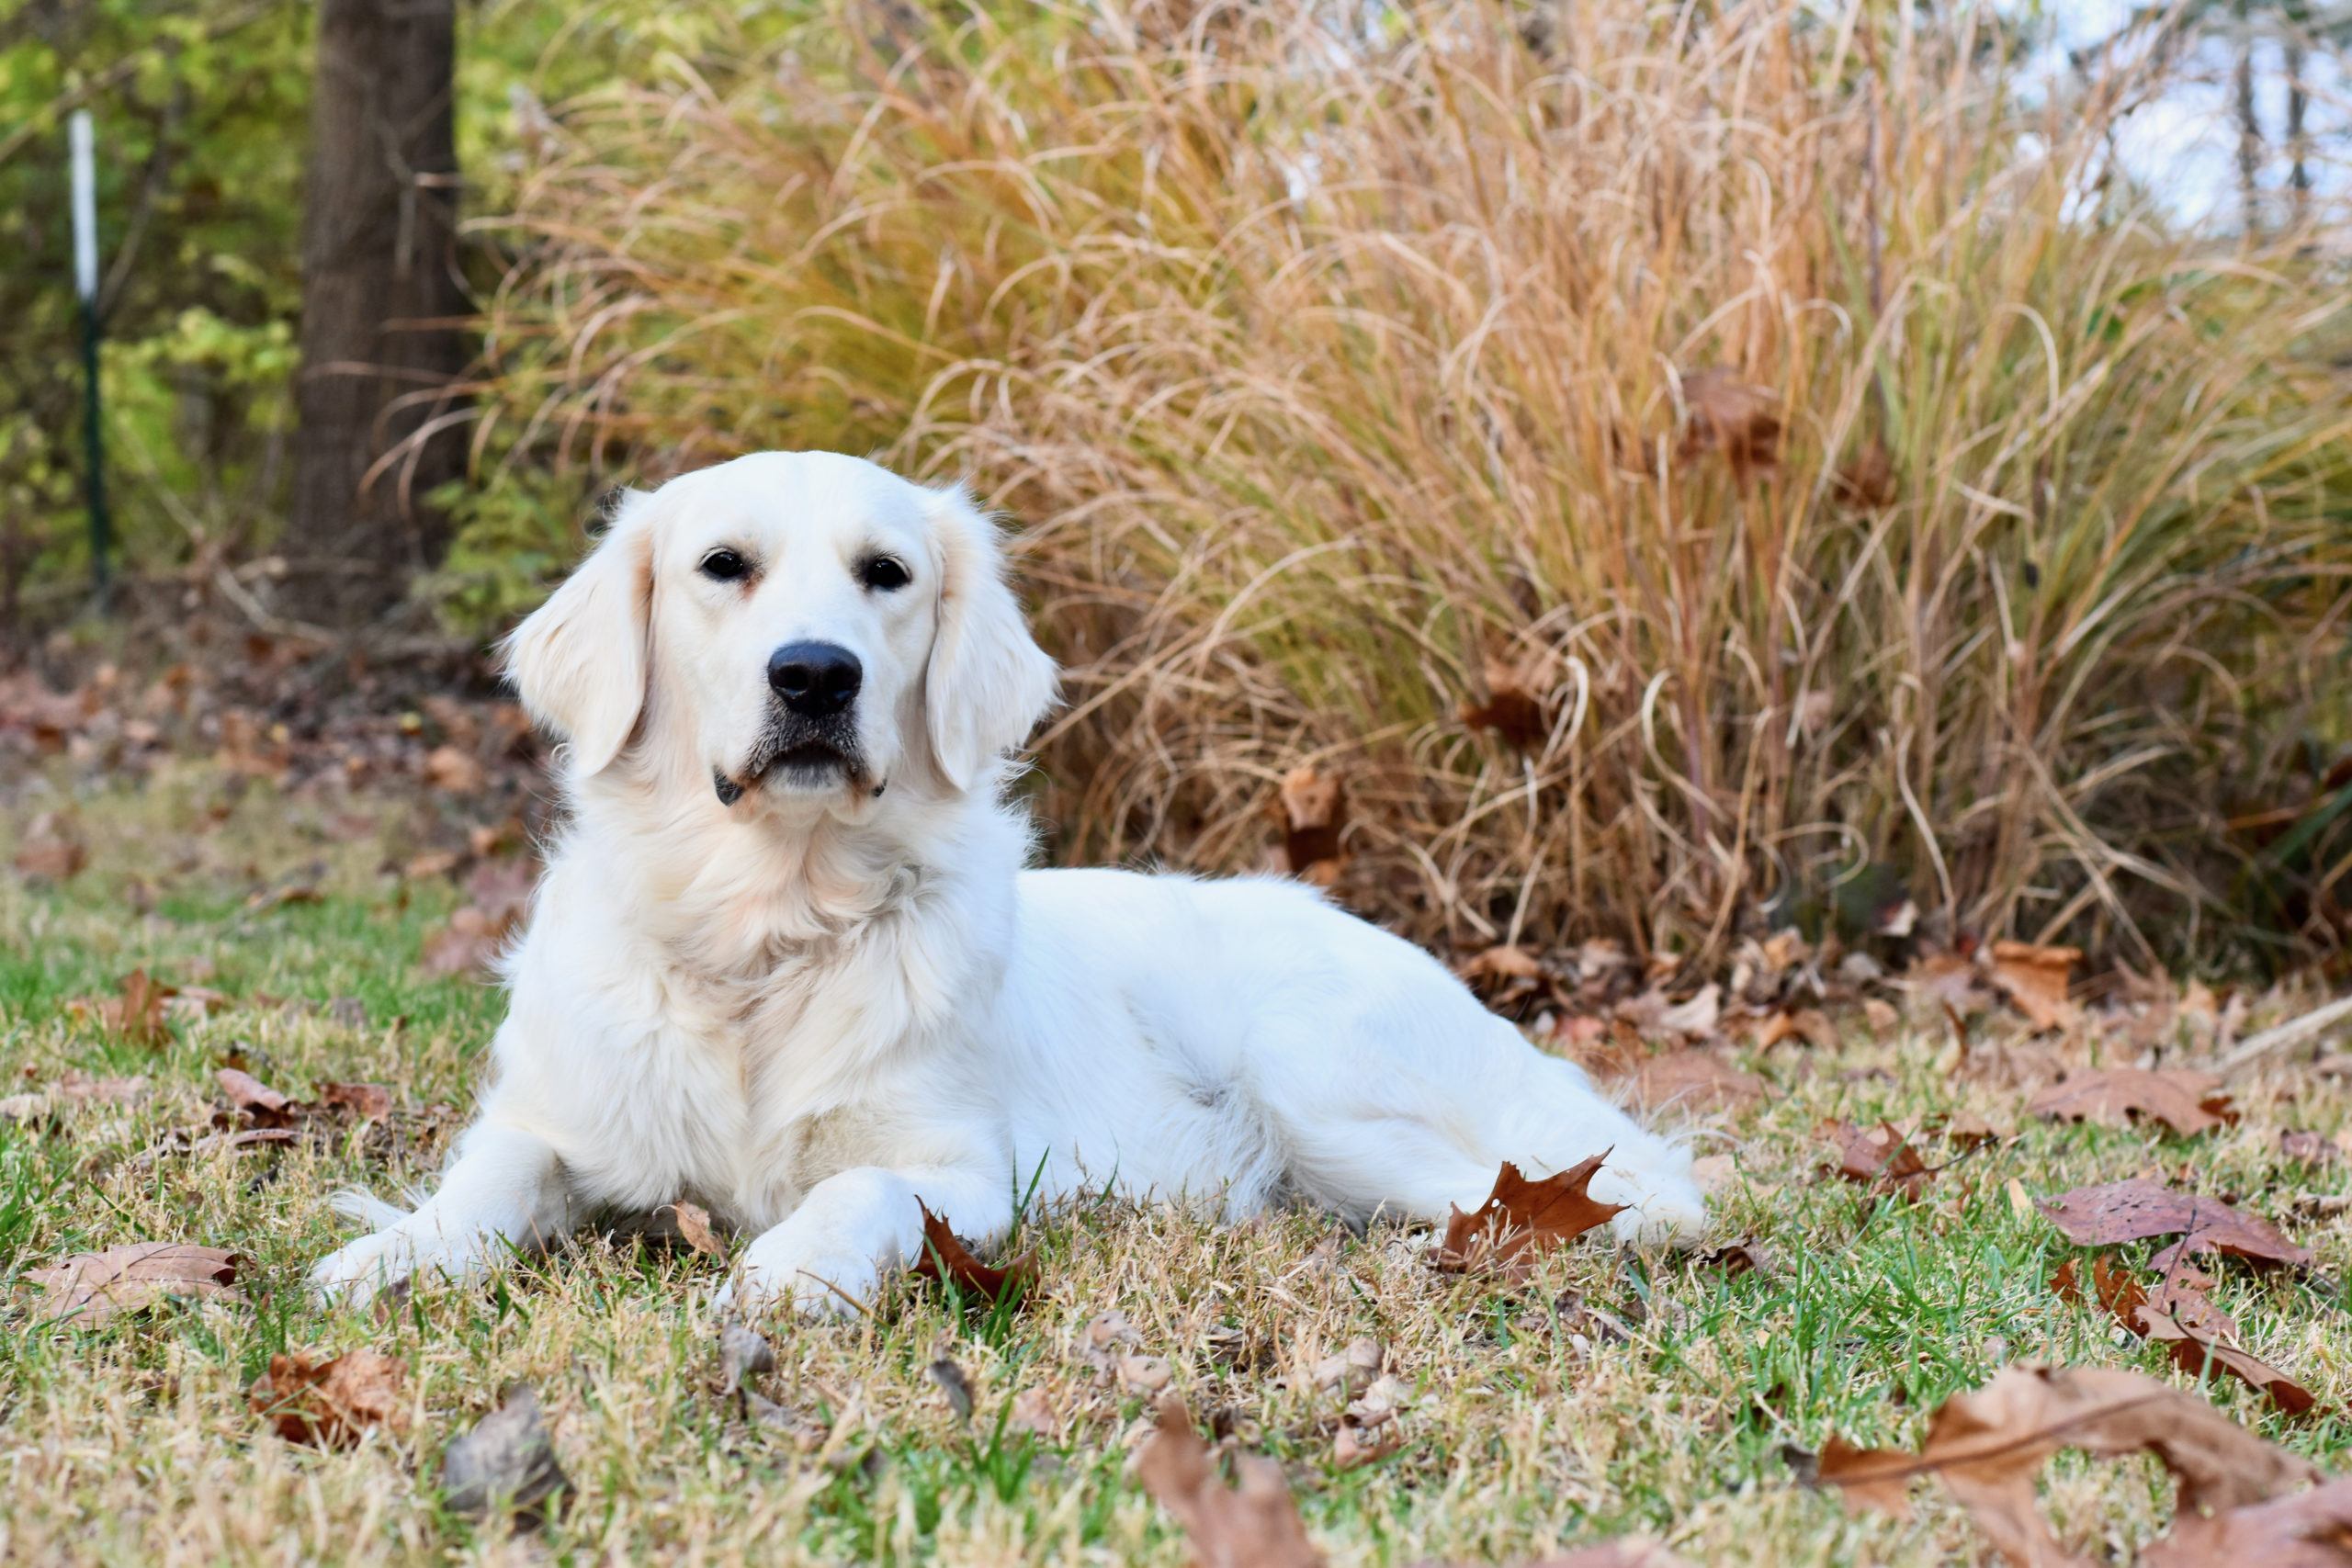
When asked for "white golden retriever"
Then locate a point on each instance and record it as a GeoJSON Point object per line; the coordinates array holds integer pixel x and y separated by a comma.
{"type": "Point", "coordinates": [784, 961]}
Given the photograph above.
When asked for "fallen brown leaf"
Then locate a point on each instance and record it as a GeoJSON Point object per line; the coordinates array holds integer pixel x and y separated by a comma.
{"type": "Point", "coordinates": [743, 1353]}
{"type": "Point", "coordinates": [1502, 964]}
{"type": "Point", "coordinates": [448, 768]}
{"type": "Point", "coordinates": [2307, 1530]}
{"type": "Point", "coordinates": [331, 1404]}
{"type": "Point", "coordinates": [1695, 1080]}
{"type": "Point", "coordinates": [2035, 978]}
{"type": "Point", "coordinates": [1521, 1220]}
{"type": "Point", "coordinates": [1987, 1446]}
{"type": "Point", "coordinates": [1312, 807]}
{"type": "Point", "coordinates": [2307, 1148]}
{"type": "Point", "coordinates": [368, 1101]}
{"type": "Point", "coordinates": [90, 1289]}
{"type": "Point", "coordinates": [507, 1462]}
{"type": "Point", "coordinates": [256, 1102]}
{"type": "Point", "coordinates": [135, 1012]}
{"type": "Point", "coordinates": [51, 849]}
{"type": "Point", "coordinates": [1737, 1257]}
{"type": "Point", "coordinates": [1252, 1526]}
{"type": "Point", "coordinates": [2184, 1101]}
{"type": "Point", "coordinates": [942, 1251]}
{"type": "Point", "coordinates": [694, 1224]}
{"type": "Point", "coordinates": [1880, 1158]}
{"type": "Point", "coordinates": [2136, 1209]}
{"type": "Point", "coordinates": [1868, 482]}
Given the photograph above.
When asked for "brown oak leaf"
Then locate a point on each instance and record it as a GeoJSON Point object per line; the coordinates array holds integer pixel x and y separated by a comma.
{"type": "Point", "coordinates": [966, 1273]}
{"type": "Point", "coordinates": [2187, 1103]}
{"type": "Point", "coordinates": [1521, 1220]}
{"type": "Point", "coordinates": [1987, 1446]}
{"type": "Point", "coordinates": [1695, 1080]}
{"type": "Point", "coordinates": [1515, 695]}
{"type": "Point", "coordinates": [331, 1404]}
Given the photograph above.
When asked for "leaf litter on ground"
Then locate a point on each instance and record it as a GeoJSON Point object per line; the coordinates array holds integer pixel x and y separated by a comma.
{"type": "Point", "coordinates": [336, 1403]}
{"type": "Point", "coordinates": [507, 1462]}
{"type": "Point", "coordinates": [946, 1258]}
{"type": "Point", "coordinates": [1987, 1446]}
{"type": "Point", "coordinates": [2187, 1102]}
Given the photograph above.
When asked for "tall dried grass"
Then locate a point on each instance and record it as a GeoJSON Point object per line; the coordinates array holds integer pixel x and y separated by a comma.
{"type": "Point", "coordinates": [1877, 499]}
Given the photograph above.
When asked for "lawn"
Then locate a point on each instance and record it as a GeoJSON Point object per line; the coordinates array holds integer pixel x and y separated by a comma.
{"type": "Point", "coordinates": [1615, 1391]}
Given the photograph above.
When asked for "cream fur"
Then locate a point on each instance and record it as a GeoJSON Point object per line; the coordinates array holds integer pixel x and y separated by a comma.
{"type": "Point", "coordinates": [841, 992]}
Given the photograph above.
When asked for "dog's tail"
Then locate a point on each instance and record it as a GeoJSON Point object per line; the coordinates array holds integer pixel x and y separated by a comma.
{"type": "Point", "coordinates": [371, 1212]}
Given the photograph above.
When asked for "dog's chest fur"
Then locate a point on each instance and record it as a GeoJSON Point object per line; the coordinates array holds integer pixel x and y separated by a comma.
{"type": "Point", "coordinates": [778, 1022]}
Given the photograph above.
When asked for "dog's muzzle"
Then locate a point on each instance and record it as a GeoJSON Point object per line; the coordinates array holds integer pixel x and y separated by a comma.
{"type": "Point", "coordinates": [811, 741]}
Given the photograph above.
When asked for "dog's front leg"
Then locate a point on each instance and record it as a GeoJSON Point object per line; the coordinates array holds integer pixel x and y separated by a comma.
{"type": "Point", "coordinates": [506, 1191]}
{"type": "Point", "coordinates": [854, 1228]}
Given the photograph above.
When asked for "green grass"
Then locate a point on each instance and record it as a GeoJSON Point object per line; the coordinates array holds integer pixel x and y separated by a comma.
{"type": "Point", "coordinates": [134, 1442]}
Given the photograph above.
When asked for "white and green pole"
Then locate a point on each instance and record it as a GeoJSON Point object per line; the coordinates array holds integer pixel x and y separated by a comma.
{"type": "Point", "coordinates": [85, 285]}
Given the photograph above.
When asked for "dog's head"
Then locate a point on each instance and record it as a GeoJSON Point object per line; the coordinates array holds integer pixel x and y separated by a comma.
{"type": "Point", "coordinates": [788, 625]}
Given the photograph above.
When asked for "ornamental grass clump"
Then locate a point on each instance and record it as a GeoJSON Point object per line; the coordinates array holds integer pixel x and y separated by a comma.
{"type": "Point", "coordinates": [1682, 472]}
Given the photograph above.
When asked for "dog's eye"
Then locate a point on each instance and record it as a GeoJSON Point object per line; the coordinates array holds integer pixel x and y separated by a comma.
{"type": "Point", "coordinates": [884, 573]}
{"type": "Point", "coordinates": [724, 565]}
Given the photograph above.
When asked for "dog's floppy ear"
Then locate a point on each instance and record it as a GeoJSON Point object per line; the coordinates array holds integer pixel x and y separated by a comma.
{"type": "Point", "coordinates": [989, 683]}
{"type": "Point", "coordinates": [579, 660]}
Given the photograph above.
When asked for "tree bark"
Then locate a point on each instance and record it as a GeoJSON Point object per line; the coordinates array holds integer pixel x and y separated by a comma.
{"type": "Point", "coordinates": [382, 304]}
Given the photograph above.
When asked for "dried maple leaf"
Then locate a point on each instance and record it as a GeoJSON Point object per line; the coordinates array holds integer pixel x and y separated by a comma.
{"type": "Point", "coordinates": [2184, 1101]}
{"type": "Point", "coordinates": [1880, 1158]}
{"type": "Point", "coordinates": [1695, 1080]}
{"type": "Point", "coordinates": [1987, 1447]}
{"type": "Point", "coordinates": [331, 1404]}
{"type": "Point", "coordinates": [1730, 416]}
{"type": "Point", "coordinates": [1312, 807]}
{"type": "Point", "coordinates": [2035, 978]}
{"type": "Point", "coordinates": [92, 1288]}
{"type": "Point", "coordinates": [1523, 1219]}
{"type": "Point", "coordinates": [2134, 1209]}
{"type": "Point", "coordinates": [1254, 1525]}
{"type": "Point", "coordinates": [966, 1273]}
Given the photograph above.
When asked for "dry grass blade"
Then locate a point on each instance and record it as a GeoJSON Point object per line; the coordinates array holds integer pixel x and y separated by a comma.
{"type": "Point", "coordinates": [90, 1289]}
{"type": "Point", "coordinates": [1289, 484]}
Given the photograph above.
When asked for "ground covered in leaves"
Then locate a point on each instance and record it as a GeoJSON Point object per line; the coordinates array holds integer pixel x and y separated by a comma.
{"type": "Point", "coordinates": [199, 1003]}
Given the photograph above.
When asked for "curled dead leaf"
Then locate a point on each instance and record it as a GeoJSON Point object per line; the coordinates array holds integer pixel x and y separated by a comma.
{"type": "Point", "coordinates": [1879, 1158]}
{"type": "Point", "coordinates": [507, 1463]}
{"type": "Point", "coordinates": [1254, 1525]}
{"type": "Point", "coordinates": [1731, 416]}
{"type": "Point", "coordinates": [694, 1227]}
{"type": "Point", "coordinates": [1516, 692]}
{"type": "Point", "coordinates": [946, 1257]}
{"type": "Point", "coordinates": [1312, 807]}
{"type": "Point", "coordinates": [2036, 978]}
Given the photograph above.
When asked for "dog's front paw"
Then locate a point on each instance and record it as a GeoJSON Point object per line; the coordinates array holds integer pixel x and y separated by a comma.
{"type": "Point", "coordinates": [813, 1284]}
{"type": "Point", "coordinates": [353, 1275]}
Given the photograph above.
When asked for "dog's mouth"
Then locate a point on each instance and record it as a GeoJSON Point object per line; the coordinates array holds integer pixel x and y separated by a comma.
{"type": "Point", "coordinates": [796, 764]}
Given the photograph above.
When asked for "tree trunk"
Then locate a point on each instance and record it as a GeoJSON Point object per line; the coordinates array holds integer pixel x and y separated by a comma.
{"type": "Point", "coordinates": [2249, 131]}
{"type": "Point", "coordinates": [382, 299]}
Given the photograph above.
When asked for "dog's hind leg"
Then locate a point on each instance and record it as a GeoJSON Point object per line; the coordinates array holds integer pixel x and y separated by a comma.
{"type": "Point", "coordinates": [505, 1193]}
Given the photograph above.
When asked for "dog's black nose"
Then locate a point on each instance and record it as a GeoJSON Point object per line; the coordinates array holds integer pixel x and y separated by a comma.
{"type": "Point", "coordinates": [816, 679]}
